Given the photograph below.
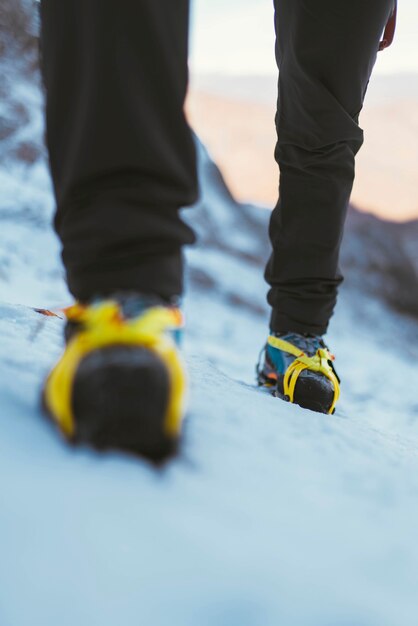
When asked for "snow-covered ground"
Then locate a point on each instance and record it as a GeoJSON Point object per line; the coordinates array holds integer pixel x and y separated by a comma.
{"type": "Point", "coordinates": [270, 516]}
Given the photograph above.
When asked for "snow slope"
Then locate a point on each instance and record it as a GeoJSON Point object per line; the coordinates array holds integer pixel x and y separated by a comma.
{"type": "Point", "coordinates": [271, 515]}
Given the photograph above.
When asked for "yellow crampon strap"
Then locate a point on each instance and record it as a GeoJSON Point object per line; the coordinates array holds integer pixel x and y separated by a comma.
{"type": "Point", "coordinates": [320, 362]}
{"type": "Point", "coordinates": [103, 325]}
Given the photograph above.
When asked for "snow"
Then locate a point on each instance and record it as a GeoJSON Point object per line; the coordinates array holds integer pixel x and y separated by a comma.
{"type": "Point", "coordinates": [270, 516]}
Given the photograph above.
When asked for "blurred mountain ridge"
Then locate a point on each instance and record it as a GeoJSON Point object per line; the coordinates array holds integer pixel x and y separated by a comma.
{"type": "Point", "coordinates": [378, 257]}
{"type": "Point", "coordinates": [19, 30]}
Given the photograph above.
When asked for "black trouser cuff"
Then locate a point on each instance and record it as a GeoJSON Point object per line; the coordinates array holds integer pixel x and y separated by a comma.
{"type": "Point", "coordinates": [282, 323]}
{"type": "Point", "coordinates": [159, 275]}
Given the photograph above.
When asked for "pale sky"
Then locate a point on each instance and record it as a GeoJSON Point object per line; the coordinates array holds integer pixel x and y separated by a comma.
{"type": "Point", "coordinates": [237, 36]}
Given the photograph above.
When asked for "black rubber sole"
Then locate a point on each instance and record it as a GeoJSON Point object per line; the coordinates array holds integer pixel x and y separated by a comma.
{"type": "Point", "coordinates": [314, 392]}
{"type": "Point", "coordinates": [119, 401]}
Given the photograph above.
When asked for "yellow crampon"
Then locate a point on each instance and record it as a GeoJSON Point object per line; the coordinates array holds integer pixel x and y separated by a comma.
{"type": "Point", "coordinates": [320, 362]}
{"type": "Point", "coordinates": [101, 326]}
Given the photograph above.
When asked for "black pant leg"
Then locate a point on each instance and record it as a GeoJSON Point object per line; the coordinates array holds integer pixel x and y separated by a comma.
{"type": "Point", "coordinates": [121, 153]}
{"type": "Point", "coordinates": [325, 52]}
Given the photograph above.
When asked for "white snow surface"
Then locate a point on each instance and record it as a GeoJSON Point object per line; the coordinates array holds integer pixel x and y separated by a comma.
{"type": "Point", "coordinates": [270, 516]}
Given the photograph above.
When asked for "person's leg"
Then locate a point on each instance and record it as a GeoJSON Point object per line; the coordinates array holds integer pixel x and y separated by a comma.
{"type": "Point", "coordinates": [123, 162]}
{"type": "Point", "coordinates": [325, 53]}
{"type": "Point", "coordinates": [121, 153]}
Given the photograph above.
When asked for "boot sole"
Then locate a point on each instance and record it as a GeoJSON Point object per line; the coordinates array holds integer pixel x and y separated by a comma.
{"type": "Point", "coordinates": [119, 401]}
{"type": "Point", "coordinates": [310, 393]}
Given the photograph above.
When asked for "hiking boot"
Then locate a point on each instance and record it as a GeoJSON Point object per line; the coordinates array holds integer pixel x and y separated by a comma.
{"type": "Point", "coordinates": [299, 368]}
{"type": "Point", "coordinates": [120, 383]}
